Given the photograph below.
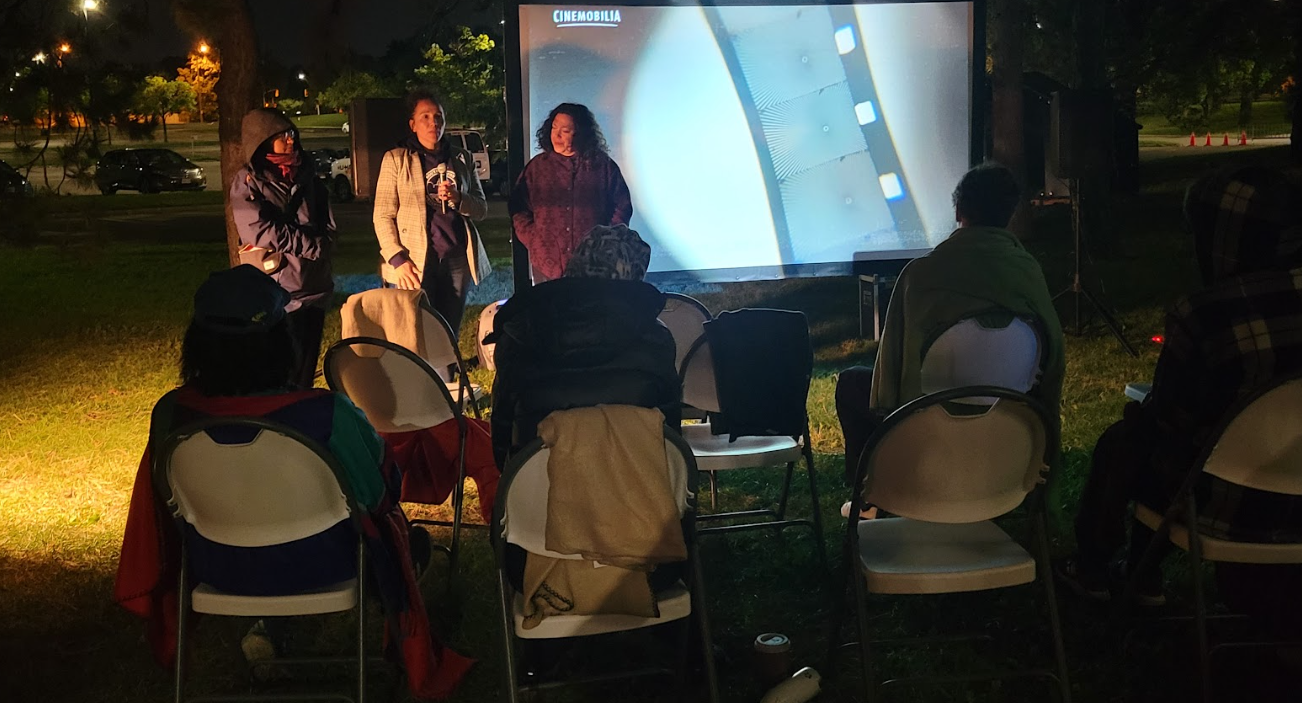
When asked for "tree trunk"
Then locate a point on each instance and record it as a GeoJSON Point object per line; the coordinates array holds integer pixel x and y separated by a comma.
{"type": "Point", "coordinates": [1295, 137]}
{"type": "Point", "coordinates": [236, 95]}
{"type": "Point", "coordinates": [1008, 21]}
{"type": "Point", "coordinates": [163, 117]}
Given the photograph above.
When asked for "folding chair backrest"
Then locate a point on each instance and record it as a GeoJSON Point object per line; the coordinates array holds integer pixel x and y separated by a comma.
{"type": "Point", "coordinates": [252, 486]}
{"type": "Point", "coordinates": [929, 464]}
{"type": "Point", "coordinates": [397, 390]}
{"type": "Point", "coordinates": [685, 317]}
{"type": "Point", "coordinates": [524, 519]}
{"type": "Point", "coordinates": [486, 317]}
{"type": "Point", "coordinates": [1261, 448]}
{"type": "Point", "coordinates": [699, 389]}
{"type": "Point", "coordinates": [969, 354]}
{"type": "Point", "coordinates": [440, 341]}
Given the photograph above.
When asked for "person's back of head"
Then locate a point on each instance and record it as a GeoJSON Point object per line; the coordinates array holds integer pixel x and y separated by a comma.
{"type": "Point", "coordinates": [614, 252]}
{"type": "Point", "coordinates": [238, 341]}
{"type": "Point", "coordinates": [1244, 220]}
{"type": "Point", "coordinates": [987, 196]}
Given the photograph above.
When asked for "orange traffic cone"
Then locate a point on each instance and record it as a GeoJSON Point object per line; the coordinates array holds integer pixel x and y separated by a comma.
{"type": "Point", "coordinates": [1227, 140]}
{"type": "Point", "coordinates": [1243, 138]}
{"type": "Point", "coordinates": [1193, 139]}
{"type": "Point", "coordinates": [1209, 140]}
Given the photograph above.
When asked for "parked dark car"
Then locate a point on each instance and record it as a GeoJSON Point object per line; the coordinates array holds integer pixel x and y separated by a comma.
{"type": "Point", "coordinates": [13, 184]}
{"type": "Point", "coordinates": [148, 171]}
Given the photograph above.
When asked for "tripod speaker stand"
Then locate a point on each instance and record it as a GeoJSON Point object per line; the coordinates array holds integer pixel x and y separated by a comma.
{"type": "Point", "coordinates": [1078, 290]}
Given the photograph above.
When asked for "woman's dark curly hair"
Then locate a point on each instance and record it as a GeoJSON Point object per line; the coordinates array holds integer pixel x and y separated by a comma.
{"type": "Point", "coordinates": [588, 140]}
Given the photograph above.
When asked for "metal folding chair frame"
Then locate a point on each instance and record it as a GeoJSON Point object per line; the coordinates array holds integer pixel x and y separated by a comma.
{"type": "Point", "coordinates": [1035, 503]}
{"type": "Point", "coordinates": [693, 580]}
{"type": "Point", "coordinates": [453, 549]}
{"type": "Point", "coordinates": [1184, 505]}
{"type": "Point", "coordinates": [165, 500]}
{"type": "Point", "coordinates": [777, 516]}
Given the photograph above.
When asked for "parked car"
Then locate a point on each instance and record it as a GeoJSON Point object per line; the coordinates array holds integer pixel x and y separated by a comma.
{"type": "Point", "coordinates": [470, 140]}
{"type": "Point", "coordinates": [345, 127]}
{"type": "Point", "coordinates": [322, 160]}
{"type": "Point", "coordinates": [341, 178]}
{"type": "Point", "coordinates": [13, 184]}
{"type": "Point", "coordinates": [148, 171]}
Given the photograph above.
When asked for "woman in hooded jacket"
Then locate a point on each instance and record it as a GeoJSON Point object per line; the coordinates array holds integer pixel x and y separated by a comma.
{"type": "Point", "coordinates": [282, 214]}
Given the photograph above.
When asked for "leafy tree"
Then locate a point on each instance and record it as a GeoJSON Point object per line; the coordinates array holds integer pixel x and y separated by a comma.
{"type": "Point", "coordinates": [352, 85]}
{"type": "Point", "coordinates": [161, 97]}
{"type": "Point", "coordinates": [289, 106]}
{"type": "Point", "coordinates": [469, 76]}
{"type": "Point", "coordinates": [201, 72]}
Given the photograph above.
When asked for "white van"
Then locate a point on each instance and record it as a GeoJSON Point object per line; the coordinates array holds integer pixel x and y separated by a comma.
{"type": "Point", "coordinates": [471, 141]}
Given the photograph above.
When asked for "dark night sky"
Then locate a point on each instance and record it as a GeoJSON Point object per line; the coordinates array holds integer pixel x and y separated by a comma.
{"type": "Point", "coordinates": [292, 31]}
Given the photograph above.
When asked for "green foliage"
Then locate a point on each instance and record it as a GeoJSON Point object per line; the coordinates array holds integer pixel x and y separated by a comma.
{"type": "Point", "coordinates": [160, 97]}
{"type": "Point", "coordinates": [353, 85]}
{"type": "Point", "coordinates": [468, 75]}
{"type": "Point", "coordinates": [201, 74]}
{"type": "Point", "coordinates": [289, 105]}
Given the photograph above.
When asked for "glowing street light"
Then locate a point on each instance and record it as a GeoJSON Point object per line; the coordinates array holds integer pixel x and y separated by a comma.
{"type": "Point", "coordinates": [87, 7]}
{"type": "Point", "coordinates": [65, 48]}
{"type": "Point", "coordinates": [39, 57]}
{"type": "Point", "coordinates": [203, 47]}
{"type": "Point", "coordinates": [302, 76]}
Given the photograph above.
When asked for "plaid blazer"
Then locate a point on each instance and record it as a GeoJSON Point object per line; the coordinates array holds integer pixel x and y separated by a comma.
{"type": "Point", "coordinates": [399, 215]}
{"type": "Point", "coordinates": [1222, 343]}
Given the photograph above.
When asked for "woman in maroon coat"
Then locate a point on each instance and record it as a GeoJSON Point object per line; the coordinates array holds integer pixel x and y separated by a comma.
{"type": "Point", "coordinates": [568, 189]}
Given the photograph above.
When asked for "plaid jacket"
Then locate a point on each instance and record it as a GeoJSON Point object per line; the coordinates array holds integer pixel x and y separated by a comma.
{"type": "Point", "coordinates": [399, 215]}
{"type": "Point", "coordinates": [1223, 343]}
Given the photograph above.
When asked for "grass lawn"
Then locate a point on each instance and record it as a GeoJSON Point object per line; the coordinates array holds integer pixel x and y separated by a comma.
{"type": "Point", "coordinates": [92, 331]}
{"type": "Point", "coordinates": [1266, 114]}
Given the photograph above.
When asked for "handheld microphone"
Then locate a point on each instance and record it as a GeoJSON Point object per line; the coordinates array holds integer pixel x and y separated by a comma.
{"type": "Point", "coordinates": [440, 173]}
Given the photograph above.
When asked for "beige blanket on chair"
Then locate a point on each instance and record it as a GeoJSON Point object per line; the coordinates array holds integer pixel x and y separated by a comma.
{"type": "Point", "coordinates": [385, 313]}
{"type": "Point", "coordinates": [611, 501]}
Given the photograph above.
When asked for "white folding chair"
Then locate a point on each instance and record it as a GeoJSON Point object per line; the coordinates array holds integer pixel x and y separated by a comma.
{"type": "Point", "coordinates": [437, 343]}
{"type": "Point", "coordinates": [278, 487]}
{"type": "Point", "coordinates": [947, 475]}
{"type": "Point", "coordinates": [685, 317]}
{"type": "Point", "coordinates": [443, 351]}
{"type": "Point", "coordinates": [400, 392]}
{"type": "Point", "coordinates": [1258, 445]}
{"type": "Point", "coordinates": [715, 453]}
{"type": "Point", "coordinates": [520, 518]}
{"type": "Point", "coordinates": [486, 317]}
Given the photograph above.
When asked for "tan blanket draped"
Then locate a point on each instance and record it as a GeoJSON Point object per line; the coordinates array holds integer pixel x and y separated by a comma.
{"type": "Point", "coordinates": [385, 313]}
{"type": "Point", "coordinates": [610, 501]}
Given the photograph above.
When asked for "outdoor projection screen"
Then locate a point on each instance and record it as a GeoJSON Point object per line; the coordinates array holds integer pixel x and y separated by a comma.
{"type": "Point", "coordinates": [763, 141]}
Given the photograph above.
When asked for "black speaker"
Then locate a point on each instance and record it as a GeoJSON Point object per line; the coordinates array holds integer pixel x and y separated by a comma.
{"type": "Point", "coordinates": [1080, 132]}
{"type": "Point", "coordinates": [375, 125]}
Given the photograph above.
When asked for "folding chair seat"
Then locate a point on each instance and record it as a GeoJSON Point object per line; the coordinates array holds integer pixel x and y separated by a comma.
{"type": "Point", "coordinates": [275, 488]}
{"type": "Point", "coordinates": [520, 518]}
{"type": "Point", "coordinates": [400, 393]}
{"type": "Point", "coordinates": [433, 339]}
{"type": "Point", "coordinates": [1257, 445]}
{"type": "Point", "coordinates": [947, 464]}
{"type": "Point", "coordinates": [723, 452]}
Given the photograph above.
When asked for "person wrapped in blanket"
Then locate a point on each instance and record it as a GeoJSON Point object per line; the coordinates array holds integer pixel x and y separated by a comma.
{"type": "Point", "coordinates": [237, 359]}
{"type": "Point", "coordinates": [589, 338]}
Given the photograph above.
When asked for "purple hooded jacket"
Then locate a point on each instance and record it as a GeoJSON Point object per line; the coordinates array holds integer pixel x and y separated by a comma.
{"type": "Point", "coordinates": [557, 199]}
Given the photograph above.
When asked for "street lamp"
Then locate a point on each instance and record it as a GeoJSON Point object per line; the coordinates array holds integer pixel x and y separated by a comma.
{"type": "Point", "coordinates": [39, 57]}
{"type": "Point", "coordinates": [203, 47]}
{"type": "Point", "coordinates": [87, 7]}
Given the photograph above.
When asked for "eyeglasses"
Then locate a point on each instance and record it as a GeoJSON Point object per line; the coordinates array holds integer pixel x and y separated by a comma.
{"type": "Point", "coordinates": [289, 136]}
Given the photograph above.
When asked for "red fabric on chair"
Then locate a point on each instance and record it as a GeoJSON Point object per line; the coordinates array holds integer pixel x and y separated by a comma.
{"type": "Point", "coordinates": [429, 463]}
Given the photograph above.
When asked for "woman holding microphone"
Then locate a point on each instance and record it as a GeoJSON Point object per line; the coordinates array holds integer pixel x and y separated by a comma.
{"type": "Point", "coordinates": [425, 200]}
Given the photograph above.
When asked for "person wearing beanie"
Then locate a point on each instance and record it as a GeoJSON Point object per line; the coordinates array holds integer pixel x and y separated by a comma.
{"type": "Point", "coordinates": [282, 213]}
{"type": "Point", "coordinates": [239, 359]}
{"type": "Point", "coordinates": [426, 200]}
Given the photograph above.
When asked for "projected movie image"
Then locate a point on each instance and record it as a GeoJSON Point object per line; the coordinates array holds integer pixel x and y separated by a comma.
{"type": "Point", "coordinates": [765, 141]}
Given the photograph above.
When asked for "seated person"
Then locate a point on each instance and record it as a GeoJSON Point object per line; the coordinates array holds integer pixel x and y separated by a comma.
{"type": "Point", "coordinates": [238, 358]}
{"type": "Point", "coordinates": [981, 271]}
{"type": "Point", "coordinates": [591, 337]}
{"type": "Point", "coordinates": [1240, 331]}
